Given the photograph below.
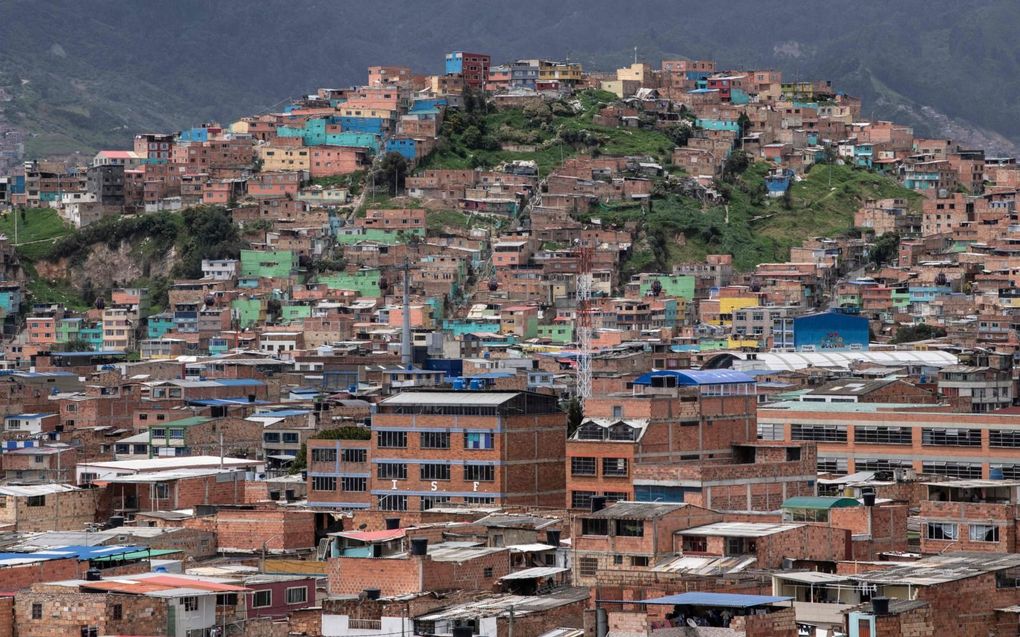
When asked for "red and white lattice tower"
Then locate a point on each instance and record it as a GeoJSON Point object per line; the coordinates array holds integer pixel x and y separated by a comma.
{"type": "Point", "coordinates": [583, 321]}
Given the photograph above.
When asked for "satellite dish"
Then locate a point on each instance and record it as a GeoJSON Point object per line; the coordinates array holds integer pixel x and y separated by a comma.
{"type": "Point", "coordinates": [692, 623]}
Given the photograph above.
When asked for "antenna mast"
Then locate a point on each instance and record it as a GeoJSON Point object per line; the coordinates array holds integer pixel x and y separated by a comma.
{"type": "Point", "coordinates": [583, 321]}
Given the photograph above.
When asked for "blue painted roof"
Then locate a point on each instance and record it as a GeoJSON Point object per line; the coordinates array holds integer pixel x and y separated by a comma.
{"type": "Point", "coordinates": [693, 377]}
{"type": "Point", "coordinates": [78, 552]}
{"type": "Point", "coordinates": [36, 415]}
{"type": "Point", "coordinates": [225, 402]}
{"type": "Point", "coordinates": [239, 382]}
{"type": "Point", "coordinates": [724, 600]}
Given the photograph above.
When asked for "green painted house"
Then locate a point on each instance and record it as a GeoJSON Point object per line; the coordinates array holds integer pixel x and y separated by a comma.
{"type": "Point", "coordinates": [268, 264]}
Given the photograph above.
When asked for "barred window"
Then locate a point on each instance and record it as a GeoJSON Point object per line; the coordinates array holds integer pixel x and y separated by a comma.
{"type": "Point", "coordinates": [354, 484]}
{"type": "Point", "coordinates": [768, 431]}
{"type": "Point", "coordinates": [615, 496]}
{"type": "Point", "coordinates": [582, 466]}
{"type": "Point", "coordinates": [393, 503]}
{"type": "Point", "coordinates": [1007, 438]}
{"type": "Point", "coordinates": [587, 566]}
{"type": "Point", "coordinates": [832, 465]}
{"type": "Point", "coordinates": [391, 471]}
{"type": "Point", "coordinates": [391, 439]}
{"type": "Point", "coordinates": [881, 464]}
{"type": "Point", "coordinates": [950, 437]}
{"type": "Point", "coordinates": [323, 483]}
{"type": "Point", "coordinates": [883, 435]}
{"type": "Point", "coordinates": [479, 472]}
{"type": "Point", "coordinates": [819, 433]}
{"type": "Point", "coordinates": [435, 440]}
{"type": "Point", "coordinates": [479, 500]}
{"type": "Point", "coordinates": [430, 501]}
{"type": "Point", "coordinates": [1009, 471]}
{"type": "Point", "coordinates": [581, 499]}
{"type": "Point", "coordinates": [435, 471]}
{"type": "Point", "coordinates": [968, 470]}
{"type": "Point", "coordinates": [614, 467]}
{"type": "Point", "coordinates": [354, 456]}
{"type": "Point", "coordinates": [323, 455]}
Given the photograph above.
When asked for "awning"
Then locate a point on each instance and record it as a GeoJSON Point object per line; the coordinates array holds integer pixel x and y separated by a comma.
{"type": "Point", "coordinates": [372, 536]}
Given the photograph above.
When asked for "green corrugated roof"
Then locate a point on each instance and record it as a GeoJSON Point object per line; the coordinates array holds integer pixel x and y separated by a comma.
{"type": "Point", "coordinates": [184, 422]}
{"type": "Point", "coordinates": [819, 502]}
{"type": "Point", "coordinates": [136, 555]}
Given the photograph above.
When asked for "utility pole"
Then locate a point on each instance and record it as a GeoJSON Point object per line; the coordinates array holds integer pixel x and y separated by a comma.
{"type": "Point", "coordinates": [405, 337]}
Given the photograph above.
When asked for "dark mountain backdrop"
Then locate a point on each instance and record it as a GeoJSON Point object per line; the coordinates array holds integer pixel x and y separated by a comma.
{"type": "Point", "coordinates": [84, 74]}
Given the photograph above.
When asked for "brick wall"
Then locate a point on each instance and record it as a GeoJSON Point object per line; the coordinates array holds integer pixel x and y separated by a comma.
{"type": "Point", "coordinates": [65, 612]}
{"type": "Point", "coordinates": [247, 529]}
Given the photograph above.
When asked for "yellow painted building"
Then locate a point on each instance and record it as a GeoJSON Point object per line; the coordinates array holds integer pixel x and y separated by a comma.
{"type": "Point", "coordinates": [730, 304]}
{"type": "Point", "coordinates": [275, 158]}
{"type": "Point", "coordinates": [638, 72]}
{"type": "Point", "coordinates": [554, 71]}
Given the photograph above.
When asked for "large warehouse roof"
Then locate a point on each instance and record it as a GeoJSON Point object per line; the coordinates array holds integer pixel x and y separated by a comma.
{"type": "Point", "coordinates": [789, 361]}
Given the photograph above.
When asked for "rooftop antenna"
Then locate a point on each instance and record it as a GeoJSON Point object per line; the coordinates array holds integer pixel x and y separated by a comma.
{"type": "Point", "coordinates": [635, 55]}
{"type": "Point", "coordinates": [405, 337]}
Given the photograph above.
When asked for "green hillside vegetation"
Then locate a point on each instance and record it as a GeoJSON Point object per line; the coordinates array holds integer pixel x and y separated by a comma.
{"type": "Point", "coordinates": [474, 137]}
{"type": "Point", "coordinates": [36, 230]}
{"type": "Point", "coordinates": [751, 227]}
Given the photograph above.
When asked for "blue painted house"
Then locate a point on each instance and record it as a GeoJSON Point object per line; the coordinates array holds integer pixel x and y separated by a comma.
{"type": "Point", "coordinates": [404, 146]}
{"type": "Point", "coordinates": [825, 331]}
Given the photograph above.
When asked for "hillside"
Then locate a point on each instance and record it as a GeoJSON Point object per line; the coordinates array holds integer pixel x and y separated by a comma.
{"type": "Point", "coordinates": [83, 75]}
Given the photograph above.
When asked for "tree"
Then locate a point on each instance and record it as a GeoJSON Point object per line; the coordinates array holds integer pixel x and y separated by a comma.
{"type": "Point", "coordinates": [77, 345]}
{"type": "Point", "coordinates": [392, 172]}
{"type": "Point", "coordinates": [273, 309]}
{"type": "Point", "coordinates": [678, 133]}
{"type": "Point", "coordinates": [884, 249]}
{"type": "Point", "coordinates": [735, 165]}
{"type": "Point", "coordinates": [744, 124]}
{"type": "Point", "coordinates": [575, 415]}
{"type": "Point", "coordinates": [922, 332]}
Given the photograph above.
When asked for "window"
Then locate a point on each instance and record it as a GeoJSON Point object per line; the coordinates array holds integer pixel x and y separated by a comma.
{"type": "Point", "coordinates": [393, 503]}
{"type": "Point", "coordinates": [819, 433]}
{"type": "Point", "coordinates": [36, 501]}
{"type": "Point", "coordinates": [1003, 438]}
{"type": "Point", "coordinates": [581, 499]}
{"type": "Point", "coordinates": [883, 435]}
{"type": "Point", "coordinates": [159, 433]}
{"type": "Point", "coordinates": [430, 501]}
{"type": "Point", "coordinates": [587, 566]}
{"type": "Point", "coordinates": [479, 472]}
{"type": "Point", "coordinates": [477, 440]}
{"type": "Point", "coordinates": [594, 527]}
{"type": "Point", "coordinates": [262, 599]}
{"type": "Point", "coordinates": [695, 544]}
{"type": "Point", "coordinates": [639, 560]}
{"type": "Point", "coordinates": [118, 612]}
{"type": "Point", "coordinates": [323, 455]}
{"type": "Point", "coordinates": [582, 466]}
{"type": "Point", "coordinates": [391, 439]}
{"type": "Point", "coordinates": [297, 595]}
{"type": "Point", "coordinates": [940, 531]}
{"type": "Point", "coordinates": [984, 533]}
{"type": "Point", "coordinates": [290, 438]}
{"type": "Point", "coordinates": [36, 611]}
{"type": "Point", "coordinates": [479, 500]}
{"type": "Point", "coordinates": [965, 470]}
{"type": "Point", "coordinates": [617, 411]}
{"type": "Point", "coordinates": [323, 483]}
{"type": "Point", "coordinates": [617, 559]}
{"type": "Point", "coordinates": [190, 604]}
{"type": "Point", "coordinates": [630, 528]}
{"type": "Point", "coordinates": [615, 496]}
{"type": "Point", "coordinates": [271, 436]}
{"type": "Point", "coordinates": [177, 433]}
{"type": "Point", "coordinates": [354, 484]}
{"type": "Point", "coordinates": [37, 459]}
{"type": "Point", "coordinates": [391, 471]}
{"type": "Point", "coordinates": [615, 467]}
{"type": "Point", "coordinates": [832, 465]}
{"type": "Point", "coordinates": [435, 471]}
{"type": "Point", "coordinates": [950, 437]}
{"type": "Point", "coordinates": [435, 440]}
{"type": "Point", "coordinates": [487, 572]}
{"type": "Point", "coordinates": [770, 431]}
{"type": "Point", "coordinates": [354, 455]}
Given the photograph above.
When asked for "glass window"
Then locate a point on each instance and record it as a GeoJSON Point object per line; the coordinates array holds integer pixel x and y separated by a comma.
{"type": "Point", "coordinates": [984, 533]}
{"type": "Point", "coordinates": [323, 455]}
{"type": "Point", "coordinates": [434, 471]}
{"type": "Point", "coordinates": [582, 466]}
{"type": "Point", "coordinates": [950, 437]}
{"type": "Point", "coordinates": [323, 483]}
{"type": "Point", "coordinates": [190, 604]}
{"type": "Point", "coordinates": [391, 471]}
{"type": "Point", "coordinates": [393, 503]}
{"type": "Point", "coordinates": [479, 472]}
{"type": "Point", "coordinates": [581, 499]}
{"type": "Point", "coordinates": [587, 566]}
{"type": "Point", "coordinates": [291, 438]}
{"type": "Point", "coordinates": [297, 595]}
{"type": "Point", "coordinates": [819, 433]}
{"type": "Point", "coordinates": [262, 599]}
{"type": "Point", "coordinates": [883, 435]}
{"type": "Point", "coordinates": [594, 527]}
{"type": "Point", "coordinates": [354, 455]}
{"type": "Point", "coordinates": [615, 467]}
{"type": "Point", "coordinates": [477, 440]}
{"type": "Point", "coordinates": [435, 440]}
{"type": "Point", "coordinates": [391, 439]}
{"type": "Point", "coordinates": [630, 528]}
{"type": "Point", "coordinates": [354, 484]}
{"type": "Point", "coordinates": [940, 531]}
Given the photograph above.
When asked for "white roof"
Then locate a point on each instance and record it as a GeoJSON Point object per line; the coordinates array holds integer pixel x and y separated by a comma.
{"type": "Point", "coordinates": [740, 529]}
{"type": "Point", "coordinates": [163, 464]}
{"type": "Point", "coordinates": [791, 361]}
{"type": "Point", "coordinates": [450, 398]}
{"type": "Point", "coordinates": [36, 489]}
{"type": "Point", "coordinates": [538, 571]}
{"type": "Point", "coordinates": [812, 577]}
{"type": "Point", "coordinates": [530, 548]}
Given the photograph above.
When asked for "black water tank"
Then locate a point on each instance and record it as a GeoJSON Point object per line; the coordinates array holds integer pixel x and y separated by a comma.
{"type": "Point", "coordinates": [869, 498]}
{"type": "Point", "coordinates": [116, 521]}
{"type": "Point", "coordinates": [372, 593]}
{"type": "Point", "coordinates": [93, 575]}
{"type": "Point", "coordinates": [598, 503]}
{"type": "Point", "coordinates": [419, 546]}
{"type": "Point", "coordinates": [880, 605]}
{"type": "Point", "coordinates": [552, 538]}
{"type": "Point", "coordinates": [377, 550]}
{"type": "Point", "coordinates": [392, 524]}
{"type": "Point", "coordinates": [462, 631]}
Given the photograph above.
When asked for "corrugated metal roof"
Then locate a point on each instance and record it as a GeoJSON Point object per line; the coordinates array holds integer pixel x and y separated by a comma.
{"type": "Point", "coordinates": [481, 398]}
{"type": "Point", "coordinates": [719, 600]}
{"type": "Point", "coordinates": [819, 502]}
{"type": "Point", "coordinates": [790, 361]}
{"type": "Point", "coordinates": [706, 564]}
{"type": "Point", "coordinates": [635, 510]}
{"type": "Point", "coordinates": [739, 529]}
{"type": "Point", "coordinates": [693, 377]}
{"type": "Point", "coordinates": [538, 571]}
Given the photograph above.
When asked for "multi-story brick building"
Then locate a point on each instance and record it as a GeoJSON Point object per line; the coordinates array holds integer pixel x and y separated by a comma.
{"type": "Point", "coordinates": [476, 447]}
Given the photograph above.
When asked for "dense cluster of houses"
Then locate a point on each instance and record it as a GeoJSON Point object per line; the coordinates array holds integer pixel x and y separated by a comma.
{"type": "Point", "coordinates": [390, 446]}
